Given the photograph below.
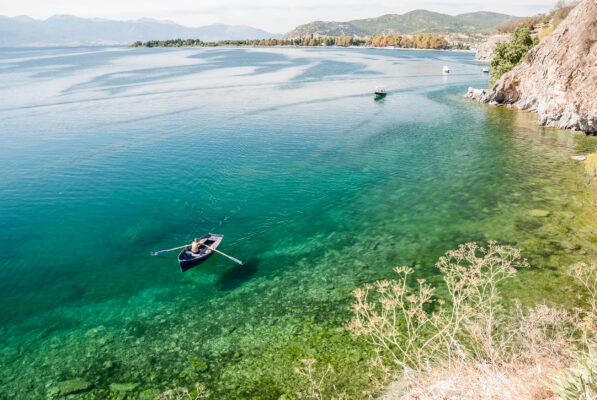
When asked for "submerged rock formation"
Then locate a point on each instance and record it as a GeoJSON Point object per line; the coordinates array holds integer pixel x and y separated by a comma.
{"type": "Point", "coordinates": [558, 79]}
{"type": "Point", "coordinates": [485, 49]}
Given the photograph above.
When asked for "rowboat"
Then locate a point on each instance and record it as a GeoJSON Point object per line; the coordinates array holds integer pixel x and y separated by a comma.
{"type": "Point", "coordinates": [187, 259]}
{"type": "Point", "coordinates": [486, 69]}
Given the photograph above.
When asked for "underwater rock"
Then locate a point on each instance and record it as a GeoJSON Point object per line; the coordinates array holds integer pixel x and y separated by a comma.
{"type": "Point", "coordinates": [565, 214]}
{"type": "Point", "coordinates": [198, 364]}
{"type": "Point", "coordinates": [570, 246]}
{"type": "Point", "coordinates": [539, 213]}
{"type": "Point", "coordinates": [71, 386]}
{"type": "Point", "coordinates": [554, 229]}
{"type": "Point", "coordinates": [123, 387]}
{"type": "Point", "coordinates": [108, 365]}
{"type": "Point", "coordinates": [10, 354]}
{"type": "Point", "coordinates": [149, 394]}
{"type": "Point", "coordinates": [53, 392]}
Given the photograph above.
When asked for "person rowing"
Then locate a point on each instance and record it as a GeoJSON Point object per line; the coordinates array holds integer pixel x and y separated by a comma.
{"type": "Point", "coordinates": [195, 246]}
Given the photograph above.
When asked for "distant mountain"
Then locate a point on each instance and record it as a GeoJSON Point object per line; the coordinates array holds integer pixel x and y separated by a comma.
{"type": "Point", "coordinates": [61, 30]}
{"type": "Point", "coordinates": [417, 21]}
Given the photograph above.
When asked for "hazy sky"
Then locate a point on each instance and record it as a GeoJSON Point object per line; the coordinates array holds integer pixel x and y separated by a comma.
{"type": "Point", "coordinates": [271, 15]}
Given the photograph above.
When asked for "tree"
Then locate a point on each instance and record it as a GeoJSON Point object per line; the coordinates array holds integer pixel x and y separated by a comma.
{"type": "Point", "coordinates": [509, 55]}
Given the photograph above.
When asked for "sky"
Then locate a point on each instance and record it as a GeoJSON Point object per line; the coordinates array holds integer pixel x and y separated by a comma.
{"type": "Point", "coordinates": [276, 16]}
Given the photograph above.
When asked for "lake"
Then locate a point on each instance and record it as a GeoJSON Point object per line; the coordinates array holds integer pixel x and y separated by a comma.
{"type": "Point", "coordinates": [109, 154]}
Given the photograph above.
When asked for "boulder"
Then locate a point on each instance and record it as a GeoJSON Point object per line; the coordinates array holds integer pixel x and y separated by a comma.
{"type": "Point", "coordinates": [539, 213]}
{"type": "Point", "coordinates": [71, 386]}
{"type": "Point", "coordinates": [124, 387]}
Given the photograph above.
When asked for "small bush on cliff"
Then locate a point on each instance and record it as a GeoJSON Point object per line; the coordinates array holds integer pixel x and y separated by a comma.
{"type": "Point", "coordinates": [509, 55]}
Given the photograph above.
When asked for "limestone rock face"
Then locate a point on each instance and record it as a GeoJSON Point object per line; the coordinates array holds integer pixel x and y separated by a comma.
{"type": "Point", "coordinates": [485, 49]}
{"type": "Point", "coordinates": [558, 79]}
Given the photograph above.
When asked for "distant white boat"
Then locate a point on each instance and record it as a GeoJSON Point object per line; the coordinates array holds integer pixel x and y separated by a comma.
{"type": "Point", "coordinates": [486, 69]}
{"type": "Point", "coordinates": [446, 69]}
{"type": "Point", "coordinates": [380, 90]}
{"type": "Point", "coordinates": [579, 158]}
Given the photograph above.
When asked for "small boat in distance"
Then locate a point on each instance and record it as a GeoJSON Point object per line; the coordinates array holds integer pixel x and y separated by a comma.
{"type": "Point", "coordinates": [187, 259]}
{"type": "Point", "coordinates": [486, 69]}
{"type": "Point", "coordinates": [380, 91]}
{"type": "Point", "coordinates": [446, 69]}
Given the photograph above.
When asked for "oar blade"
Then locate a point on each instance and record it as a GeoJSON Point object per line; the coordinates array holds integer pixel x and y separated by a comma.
{"type": "Point", "coordinates": [160, 252]}
{"type": "Point", "coordinates": [236, 261]}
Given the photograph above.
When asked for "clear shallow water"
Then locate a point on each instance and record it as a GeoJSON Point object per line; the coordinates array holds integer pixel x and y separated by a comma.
{"type": "Point", "coordinates": [110, 153]}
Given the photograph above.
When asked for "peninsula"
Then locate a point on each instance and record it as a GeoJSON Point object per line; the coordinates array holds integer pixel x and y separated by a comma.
{"type": "Point", "coordinates": [558, 78]}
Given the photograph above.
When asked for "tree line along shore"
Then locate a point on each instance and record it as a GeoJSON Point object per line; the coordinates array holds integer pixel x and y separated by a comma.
{"type": "Point", "coordinates": [420, 41]}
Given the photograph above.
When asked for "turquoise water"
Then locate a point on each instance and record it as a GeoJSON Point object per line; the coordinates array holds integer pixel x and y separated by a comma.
{"type": "Point", "coordinates": [109, 154]}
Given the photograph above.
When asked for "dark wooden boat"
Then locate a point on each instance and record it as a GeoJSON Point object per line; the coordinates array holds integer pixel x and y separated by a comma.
{"type": "Point", "coordinates": [187, 259]}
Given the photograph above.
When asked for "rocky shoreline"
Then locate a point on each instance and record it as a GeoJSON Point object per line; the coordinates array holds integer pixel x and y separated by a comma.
{"type": "Point", "coordinates": [558, 79]}
{"type": "Point", "coordinates": [485, 49]}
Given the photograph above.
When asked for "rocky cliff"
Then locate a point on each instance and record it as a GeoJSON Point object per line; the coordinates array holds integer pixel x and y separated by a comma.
{"type": "Point", "coordinates": [485, 49]}
{"type": "Point", "coordinates": [558, 79]}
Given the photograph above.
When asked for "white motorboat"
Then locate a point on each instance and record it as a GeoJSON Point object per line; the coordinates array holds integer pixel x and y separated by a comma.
{"type": "Point", "coordinates": [380, 91]}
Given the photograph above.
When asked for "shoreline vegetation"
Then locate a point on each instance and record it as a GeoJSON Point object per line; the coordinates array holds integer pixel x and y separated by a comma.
{"type": "Point", "coordinates": [525, 34]}
{"type": "Point", "coordinates": [508, 55]}
{"type": "Point", "coordinates": [544, 24]}
{"type": "Point", "coordinates": [421, 41]}
{"type": "Point", "coordinates": [467, 344]}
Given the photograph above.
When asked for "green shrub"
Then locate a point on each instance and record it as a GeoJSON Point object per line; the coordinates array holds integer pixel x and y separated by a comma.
{"type": "Point", "coordinates": [509, 55]}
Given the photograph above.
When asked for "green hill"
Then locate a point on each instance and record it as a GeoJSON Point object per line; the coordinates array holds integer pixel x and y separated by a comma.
{"type": "Point", "coordinates": [417, 21]}
{"type": "Point", "coordinates": [485, 21]}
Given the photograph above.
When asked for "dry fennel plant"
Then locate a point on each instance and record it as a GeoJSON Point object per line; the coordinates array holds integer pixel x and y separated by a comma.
{"type": "Point", "coordinates": [400, 321]}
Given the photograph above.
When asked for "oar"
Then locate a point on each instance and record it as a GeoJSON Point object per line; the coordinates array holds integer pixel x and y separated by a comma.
{"type": "Point", "coordinates": [225, 255]}
{"type": "Point", "coordinates": [165, 251]}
